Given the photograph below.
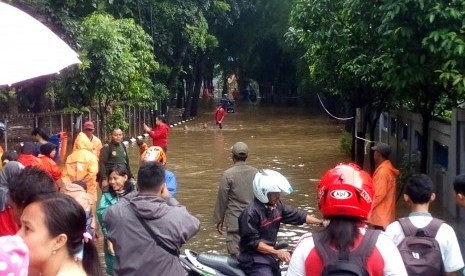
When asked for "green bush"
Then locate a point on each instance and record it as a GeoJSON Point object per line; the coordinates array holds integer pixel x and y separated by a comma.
{"type": "Point", "coordinates": [116, 120]}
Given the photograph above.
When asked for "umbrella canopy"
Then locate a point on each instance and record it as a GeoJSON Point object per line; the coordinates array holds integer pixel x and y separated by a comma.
{"type": "Point", "coordinates": [28, 48]}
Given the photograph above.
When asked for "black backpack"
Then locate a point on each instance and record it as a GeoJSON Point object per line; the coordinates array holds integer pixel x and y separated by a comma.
{"type": "Point", "coordinates": [420, 250]}
{"type": "Point", "coordinates": [346, 263]}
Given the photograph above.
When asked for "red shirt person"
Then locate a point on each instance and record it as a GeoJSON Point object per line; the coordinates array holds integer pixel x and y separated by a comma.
{"type": "Point", "coordinates": [159, 133]}
{"type": "Point", "coordinates": [219, 116]}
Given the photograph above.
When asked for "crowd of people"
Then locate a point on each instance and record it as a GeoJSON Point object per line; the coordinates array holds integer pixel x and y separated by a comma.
{"type": "Point", "coordinates": [51, 216]}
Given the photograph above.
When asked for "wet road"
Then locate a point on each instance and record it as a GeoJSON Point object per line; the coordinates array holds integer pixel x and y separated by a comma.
{"type": "Point", "coordinates": [295, 142]}
{"type": "Point", "coordinates": [299, 145]}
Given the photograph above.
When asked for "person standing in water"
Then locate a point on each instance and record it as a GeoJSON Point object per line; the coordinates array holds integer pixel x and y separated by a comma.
{"type": "Point", "coordinates": [159, 133]}
{"type": "Point", "coordinates": [234, 194]}
{"type": "Point", "coordinates": [112, 154]}
{"type": "Point", "coordinates": [219, 116]}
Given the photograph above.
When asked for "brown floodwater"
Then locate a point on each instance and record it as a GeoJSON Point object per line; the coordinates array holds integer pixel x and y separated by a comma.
{"type": "Point", "coordinates": [292, 141]}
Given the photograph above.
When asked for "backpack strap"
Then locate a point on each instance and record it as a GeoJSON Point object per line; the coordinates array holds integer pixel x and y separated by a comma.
{"type": "Point", "coordinates": [320, 248]}
{"type": "Point", "coordinates": [407, 226]}
{"type": "Point", "coordinates": [362, 252]}
{"type": "Point", "coordinates": [366, 247]}
{"type": "Point", "coordinates": [429, 230]}
{"type": "Point", "coordinates": [432, 228]}
{"type": "Point", "coordinates": [155, 237]}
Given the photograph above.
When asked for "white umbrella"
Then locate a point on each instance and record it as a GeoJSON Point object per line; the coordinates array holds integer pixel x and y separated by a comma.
{"type": "Point", "coordinates": [28, 48]}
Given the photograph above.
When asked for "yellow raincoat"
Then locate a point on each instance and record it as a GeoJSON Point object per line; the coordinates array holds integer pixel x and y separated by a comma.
{"type": "Point", "coordinates": [82, 165]}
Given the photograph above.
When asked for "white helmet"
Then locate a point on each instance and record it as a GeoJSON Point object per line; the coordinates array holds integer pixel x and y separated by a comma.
{"type": "Point", "coordinates": [267, 181]}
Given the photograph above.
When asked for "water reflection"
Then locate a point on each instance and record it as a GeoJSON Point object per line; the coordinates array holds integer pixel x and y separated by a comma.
{"type": "Point", "coordinates": [297, 144]}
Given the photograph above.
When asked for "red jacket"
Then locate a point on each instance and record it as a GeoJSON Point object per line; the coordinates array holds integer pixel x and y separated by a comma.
{"type": "Point", "coordinates": [29, 160]}
{"type": "Point", "coordinates": [51, 167]}
{"type": "Point", "coordinates": [219, 114]}
{"type": "Point", "coordinates": [159, 135]}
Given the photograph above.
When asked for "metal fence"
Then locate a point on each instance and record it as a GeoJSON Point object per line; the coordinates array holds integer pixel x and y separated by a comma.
{"type": "Point", "coordinates": [20, 126]}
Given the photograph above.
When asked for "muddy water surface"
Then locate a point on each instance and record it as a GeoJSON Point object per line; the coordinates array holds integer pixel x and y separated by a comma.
{"type": "Point", "coordinates": [299, 145]}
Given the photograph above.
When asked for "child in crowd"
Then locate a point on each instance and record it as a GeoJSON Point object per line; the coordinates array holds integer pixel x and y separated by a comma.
{"type": "Point", "coordinates": [47, 155]}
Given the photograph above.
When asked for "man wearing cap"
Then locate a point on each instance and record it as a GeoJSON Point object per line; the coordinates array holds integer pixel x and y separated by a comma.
{"type": "Point", "coordinates": [88, 130]}
{"type": "Point", "coordinates": [234, 194]}
{"type": "Point", "coordinates": [384, 180]}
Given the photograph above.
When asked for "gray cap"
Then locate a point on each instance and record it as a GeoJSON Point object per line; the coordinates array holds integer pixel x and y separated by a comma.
{"type": "Point", "coordinates": [382, 148]}
{"type": "Point", "coordinates": [240, 149]}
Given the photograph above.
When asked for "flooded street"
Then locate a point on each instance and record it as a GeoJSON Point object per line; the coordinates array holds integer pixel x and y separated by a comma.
{"type": "Point", "coordinates": [297, 144]}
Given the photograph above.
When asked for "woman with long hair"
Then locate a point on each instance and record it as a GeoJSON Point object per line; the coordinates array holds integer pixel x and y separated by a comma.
{"type": "Point", "coordinates": [345, 198]}
{"type": "Point", "coordinates": [54, 229]}
{"type": "Point", "coordinates": [119, 186]}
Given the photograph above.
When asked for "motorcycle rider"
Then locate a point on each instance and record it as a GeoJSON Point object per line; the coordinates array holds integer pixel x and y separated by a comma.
{"type": "Point", "coordinates": [259, 224]}
{"type": "Point", "coordinates": [345, 197]}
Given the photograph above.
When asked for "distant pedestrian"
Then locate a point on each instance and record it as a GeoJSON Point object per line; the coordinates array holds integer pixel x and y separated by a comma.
{"type": "Point", "coordinates": [159, 133]}
{"type": "Point", "coordinates": [235, 192]}
{"type": "Point", "coordinates": [219, 115]}
{"type": "Point", "coordinates": [384, 180]}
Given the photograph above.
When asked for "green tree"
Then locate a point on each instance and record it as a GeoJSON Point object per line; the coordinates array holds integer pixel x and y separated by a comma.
{"type": "Point", "coordinates": [117, 65]}
{"type": "Point", "coordinates": [448, 40]}
{"type": "Point", "coordinates": [416, 44]}
{"type": "Point", "coordinates": [341, 48]}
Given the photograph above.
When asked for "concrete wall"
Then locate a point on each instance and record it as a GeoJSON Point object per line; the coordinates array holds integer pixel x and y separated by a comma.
{"type": "Point", "coordinates": [446, 148]}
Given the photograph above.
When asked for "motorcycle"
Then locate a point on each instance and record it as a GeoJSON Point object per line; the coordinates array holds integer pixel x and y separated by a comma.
{"type": "Point", "coordinates": [213, 264]}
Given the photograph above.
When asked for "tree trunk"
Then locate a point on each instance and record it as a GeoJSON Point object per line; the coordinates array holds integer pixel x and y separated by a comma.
{"type": "Point", "coordinates": [173, 77]}
{"type": "Point", "coordinates": [225, 84]}
{"type": "Point", "coordinates": [190, 92]}
{"type": "Point", "coordinates": [199, 73]}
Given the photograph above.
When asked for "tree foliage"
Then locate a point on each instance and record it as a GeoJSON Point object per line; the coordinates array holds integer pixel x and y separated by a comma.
{"type": "Point", "coordinates": [399, 52]}
{"type": "Point", "coordinates": [117, 64]}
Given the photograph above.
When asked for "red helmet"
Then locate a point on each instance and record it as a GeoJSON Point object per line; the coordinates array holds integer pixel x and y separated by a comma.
{"type": "Point", "coordinates": [346, 190]}
{"type": "Point", "coordinates": [154, 153]}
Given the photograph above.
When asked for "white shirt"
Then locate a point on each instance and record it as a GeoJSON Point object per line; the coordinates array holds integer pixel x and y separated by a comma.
{"type": "Point", "coordinates": [450, 249]}
{"type": "Point", "coordinates": [393, 264]}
